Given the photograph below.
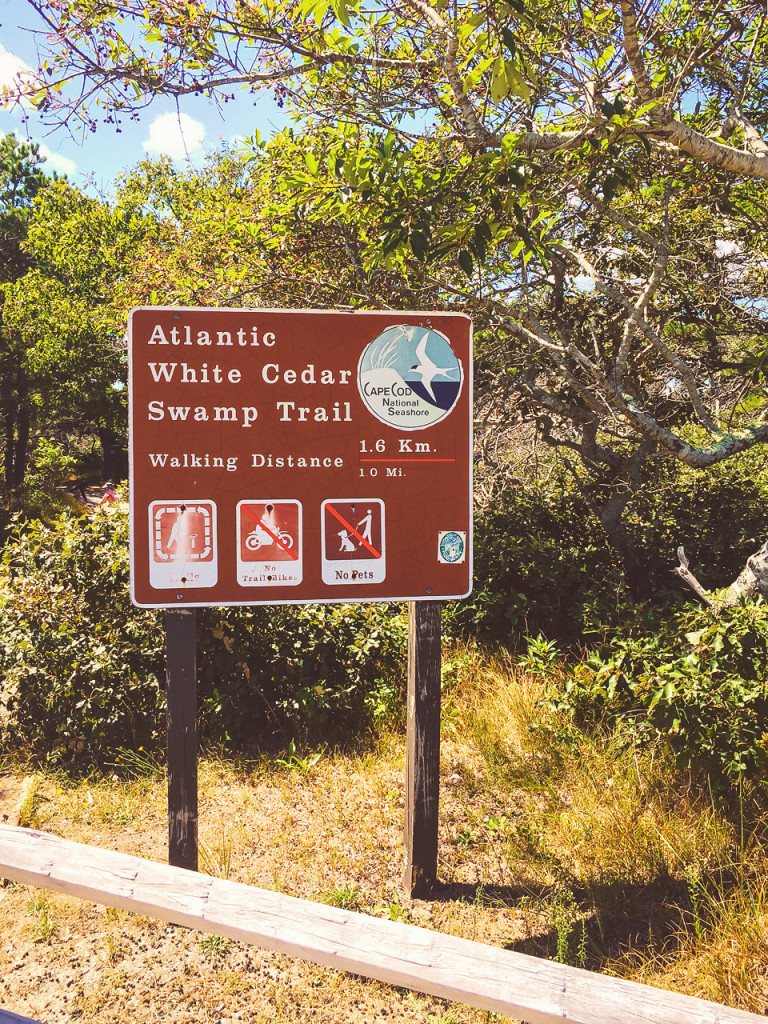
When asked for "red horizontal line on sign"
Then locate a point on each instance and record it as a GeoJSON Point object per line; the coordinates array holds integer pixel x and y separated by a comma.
{"type": "Point", "coordinates": [407, 460]}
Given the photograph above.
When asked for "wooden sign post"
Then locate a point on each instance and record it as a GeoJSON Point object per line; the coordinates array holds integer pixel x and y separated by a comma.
{"type": "Point", "coordinates": [181, 717]}
{"type": "Point", "coordinates": [422, 783]}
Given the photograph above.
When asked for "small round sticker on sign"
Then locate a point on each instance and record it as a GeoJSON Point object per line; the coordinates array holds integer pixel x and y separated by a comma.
{"type": "Point", "coordinates": [451, 546]}
{"type": "Point", "coordinates": [409, 377]}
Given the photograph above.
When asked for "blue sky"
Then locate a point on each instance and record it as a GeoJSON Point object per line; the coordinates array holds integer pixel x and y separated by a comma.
{"type": "Point", "coordinates": [94, 160]}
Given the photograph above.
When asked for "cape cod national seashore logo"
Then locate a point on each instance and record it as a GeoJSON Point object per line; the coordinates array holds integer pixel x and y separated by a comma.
{"type": "Point", "coordinates": [409, 377]}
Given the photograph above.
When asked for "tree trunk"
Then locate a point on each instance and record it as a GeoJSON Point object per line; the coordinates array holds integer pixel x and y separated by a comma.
{"type": "Point", "coordinates": [751, 582]}
{"type": "Point", "coordinates": [21, 446]}
{"type": "Point", "coordinates": [113, 457]}
{"type": "Point", "coordinates": [10, 446]}
{"type": "Point", "coordinates": [620, 478]}
{"type": "Point", "coordinates": [611, 517]}
{"type": "Point", "coordinates": [107, 439]}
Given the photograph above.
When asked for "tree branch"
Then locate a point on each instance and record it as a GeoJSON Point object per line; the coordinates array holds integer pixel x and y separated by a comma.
{"type": "Point", "coordinates": [634, 54]}
{"type": "Point", "coordinates": [477, 132]}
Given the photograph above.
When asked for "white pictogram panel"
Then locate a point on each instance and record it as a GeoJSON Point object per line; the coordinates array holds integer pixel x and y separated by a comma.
{"type": "Point", "coordinates": [269, 548]}
{"type": "Point", "coordinates": [353, 541]}
{"type": "Point", "coordinates": [182, 538]}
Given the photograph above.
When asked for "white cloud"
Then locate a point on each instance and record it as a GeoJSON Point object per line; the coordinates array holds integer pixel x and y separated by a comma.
{"type": "Point", "coordinates": [57, 162]}
{"type": "Point", "coordinates": [175, 135]}
{"type": "Point", "coordinates": [13, 72]}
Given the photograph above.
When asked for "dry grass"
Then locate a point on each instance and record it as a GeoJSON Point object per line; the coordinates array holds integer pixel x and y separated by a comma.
{"type": "Point", "coordinates": [595, 855]}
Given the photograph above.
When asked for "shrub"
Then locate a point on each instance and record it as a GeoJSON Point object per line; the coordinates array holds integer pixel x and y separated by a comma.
{"type": "Point", "coordinates": [684, 506]}
{"type": "Point", "coordinates": [700, 686]}
{"type": "Point", "coordinates": [82, 670]}
{"type": "Point", "coordinates": [297, 670]}
{"type": "Point", "coordinates": [543, 564]}
{"type": "Point", "coordinates": [51, 463]}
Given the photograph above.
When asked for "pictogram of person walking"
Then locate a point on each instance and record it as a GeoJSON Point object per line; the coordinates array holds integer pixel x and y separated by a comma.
{"type": "Point", "coordinates": [365, 526]}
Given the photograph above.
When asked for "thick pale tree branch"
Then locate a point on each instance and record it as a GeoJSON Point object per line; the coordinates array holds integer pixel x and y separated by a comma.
{"type": "Point", "coordinates": [708, 151]}
{"type": "Point", "coordinates": [638, 420]}
{"type": "Point", "coordinates": [671, 135]}
{"type": "Point", "coordinates": [634, 53]}
{"type": "Point", "coordinates": [753, 140]}
{"type": "Point", "coordinates": [475, 129]}
{"type": "Point", "coordinates": [751, 581]}
{"type": "Point", "coordinates": [687, 576]}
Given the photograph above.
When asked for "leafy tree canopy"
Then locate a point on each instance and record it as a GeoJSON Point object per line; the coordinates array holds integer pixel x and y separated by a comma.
{"type": "Point", "coordinates": [61, 350]}
{"type": "Point", "coordinates": [20, 181]}
{"type": "Point", "coordinates": [539, 77]}
{"type": "Point", "coordinates": [589, 180]}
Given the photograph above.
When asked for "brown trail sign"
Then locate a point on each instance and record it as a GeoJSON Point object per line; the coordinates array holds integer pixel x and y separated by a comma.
{"type": "Point", "coordinates": [245, 427]}
{"type": "Point", "coordinates": [232, 409]}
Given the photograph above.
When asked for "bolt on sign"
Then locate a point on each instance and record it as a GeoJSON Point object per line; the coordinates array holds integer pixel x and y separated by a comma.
{"type": "Point", "coordinates": [302, 456]}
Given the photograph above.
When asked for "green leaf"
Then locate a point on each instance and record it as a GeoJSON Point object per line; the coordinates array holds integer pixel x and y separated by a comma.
{"type": "Point", "coordinates": [605, 57]}
{"type": "Point", "coordinates": [509, 143]}
{"type": "Point", "coordinates": [320, 10]}
{"type": "Point", "coordinates": [391, 242]}
{"type": "Point", "coordinates": [466, 263]}
{"type": "Point", "coordinates": [509, 40]}
{"type": "Point", "coordinates": [481, 236]}
{"type": "Point", "coordinates": [341, 12]}
{"type": "Point", "coordinates": [419, 245]}
{"type": "Point", "coordinates": [499, 83]}
{"type": "Point", "coordinates": [517, 84]}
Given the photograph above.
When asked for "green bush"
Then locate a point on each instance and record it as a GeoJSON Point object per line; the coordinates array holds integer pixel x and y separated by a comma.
{"type": "Point", "coordinates": [304, 671]}
{"type": "Point", "coordinates": [82, 670]}
{"type": "Point", "coordinates": [720, 516]}
{"type": "Point", "coordinates": [50, 463]}
{"type": "Point", "coordinates": [543, 564]}
{"type": "Point", "coordinates": [701, 686]}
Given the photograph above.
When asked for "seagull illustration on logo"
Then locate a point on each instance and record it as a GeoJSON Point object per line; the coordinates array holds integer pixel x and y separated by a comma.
{"type": "Point", "coordinates": [428, 369]}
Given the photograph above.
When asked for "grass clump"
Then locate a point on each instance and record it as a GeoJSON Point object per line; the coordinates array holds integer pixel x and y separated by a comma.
{"type": "Point", "coordinates": [625, 856]}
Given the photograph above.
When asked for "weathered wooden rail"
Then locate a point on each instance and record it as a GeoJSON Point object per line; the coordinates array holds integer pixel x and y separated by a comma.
{"type": "Point", "coordinates": [537, 991]}
{"type": "Point", "coordinates": [14, 1018]}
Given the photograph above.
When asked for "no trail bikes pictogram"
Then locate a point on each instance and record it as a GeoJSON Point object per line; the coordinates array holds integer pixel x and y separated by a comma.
{"type": "Point", "coordinates": [269, 543]}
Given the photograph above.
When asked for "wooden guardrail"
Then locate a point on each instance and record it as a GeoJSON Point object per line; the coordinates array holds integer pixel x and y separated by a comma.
{"type": "Point", "coordinates": [512, 984]}
{"type": "Point", "coordinates": [14, 1018]}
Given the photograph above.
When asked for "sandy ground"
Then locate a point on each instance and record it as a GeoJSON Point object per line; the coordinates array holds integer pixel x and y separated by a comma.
{"type": "Point", "coordinates": [334, 834]}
